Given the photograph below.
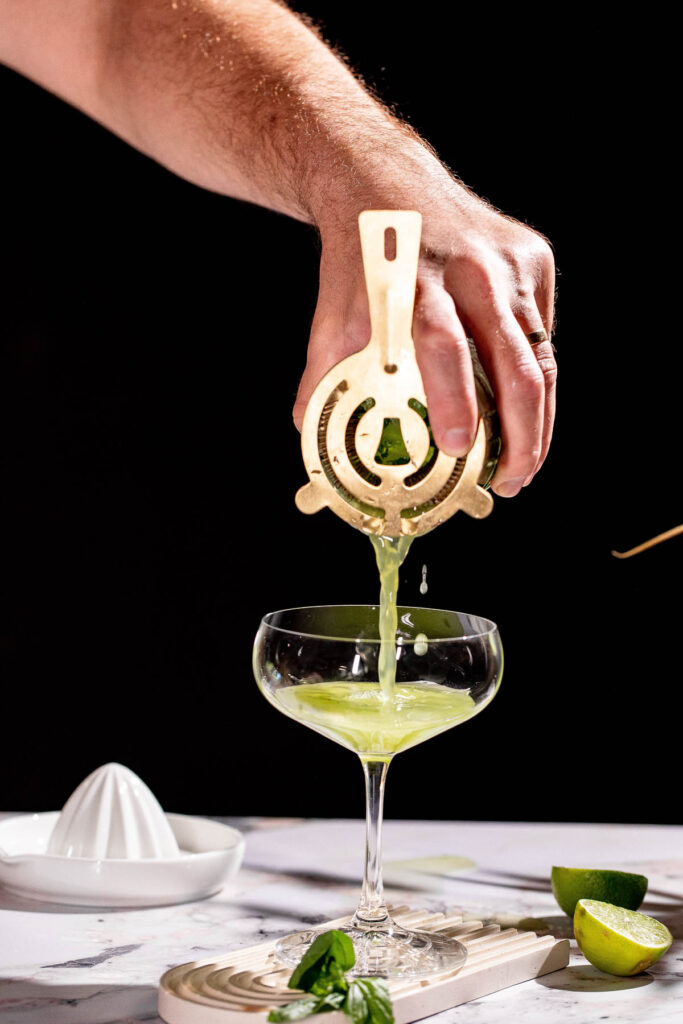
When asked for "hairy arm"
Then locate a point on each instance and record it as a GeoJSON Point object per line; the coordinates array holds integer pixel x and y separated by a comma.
{"type": "Point", "coordinates": [243, 98]}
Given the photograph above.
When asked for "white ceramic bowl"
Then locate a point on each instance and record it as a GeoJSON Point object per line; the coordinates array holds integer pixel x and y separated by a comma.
{"type": "Point", "coordinates": [210, 853]}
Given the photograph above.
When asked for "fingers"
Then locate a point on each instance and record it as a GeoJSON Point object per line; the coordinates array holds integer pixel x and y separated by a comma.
{"type": "Point", "coordinates": [520, 397]}
{"type": "Point", "coordinates": [499, 301]}
{"type": "Point", "coordinates": [446, 367]}
{"type": "Point", "coordinates": [515, 376]}
{"type": "Point", "coordinates": [531, 321]}
{"type": "Point", "coordinates": [536, 312]}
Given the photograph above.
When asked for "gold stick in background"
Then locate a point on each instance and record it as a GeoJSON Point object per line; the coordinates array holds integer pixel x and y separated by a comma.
{"type": "Point", "coordinates": [650, 543]}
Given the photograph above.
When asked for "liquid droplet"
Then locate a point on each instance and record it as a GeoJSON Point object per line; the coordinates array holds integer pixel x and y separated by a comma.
{"type": "Point", "coordinates": [421, 646]}
{"type": "Point", "coordinates": [423, 586]}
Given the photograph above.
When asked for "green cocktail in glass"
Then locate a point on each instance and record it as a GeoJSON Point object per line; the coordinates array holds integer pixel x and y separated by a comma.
{"type": "Point", "coordinates": [321, 666]}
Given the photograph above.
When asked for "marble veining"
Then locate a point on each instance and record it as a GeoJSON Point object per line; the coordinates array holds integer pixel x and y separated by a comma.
{"type": "Point", "coordinates": [100, 958]}
{"type": "Point", "coordinates": [72, 966]}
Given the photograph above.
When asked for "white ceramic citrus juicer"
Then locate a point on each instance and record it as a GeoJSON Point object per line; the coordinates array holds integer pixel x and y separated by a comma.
{"type": "Point", "coordinates": [350, 408]}
{"type": "Point", "coordinates": [113, 814]}
{"type": "Point", "coordinates": [113, 846]}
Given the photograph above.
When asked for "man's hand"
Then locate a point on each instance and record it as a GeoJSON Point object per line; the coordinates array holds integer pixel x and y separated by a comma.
{"type": "Point", "coordinates": [241, 97]}
{"type": "Point", "coordinates": [481, 274]}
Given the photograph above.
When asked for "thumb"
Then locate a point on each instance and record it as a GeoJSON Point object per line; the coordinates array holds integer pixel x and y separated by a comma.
{"type": "Point", "coordinates": [330, 342]}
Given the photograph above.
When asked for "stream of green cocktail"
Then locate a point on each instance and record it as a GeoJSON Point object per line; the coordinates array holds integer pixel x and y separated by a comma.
{"type": "Point", "coordinates": [390, 553]}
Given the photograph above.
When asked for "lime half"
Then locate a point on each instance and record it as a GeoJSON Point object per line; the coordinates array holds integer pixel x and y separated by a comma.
{"type": "Point", "coordinates": [618, 887]}
{"type": "Point", "coordinates": [619, 941]}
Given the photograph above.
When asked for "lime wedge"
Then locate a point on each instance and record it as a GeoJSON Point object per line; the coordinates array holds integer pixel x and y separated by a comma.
{"type": "Point", "coordinates": [619, 941]}
{"type": "Point", "coordinates": [618, 887]}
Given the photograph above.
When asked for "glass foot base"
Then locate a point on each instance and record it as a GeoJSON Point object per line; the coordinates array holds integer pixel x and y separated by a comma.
{"type": "Point", "coordinates": [387, 952]}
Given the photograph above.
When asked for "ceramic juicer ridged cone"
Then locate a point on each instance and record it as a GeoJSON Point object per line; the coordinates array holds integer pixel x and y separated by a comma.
{"type": "Point", "coordinates": [113, 815]}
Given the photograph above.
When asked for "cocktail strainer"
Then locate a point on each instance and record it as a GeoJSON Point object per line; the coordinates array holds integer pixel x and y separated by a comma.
{"type": "Point", "coordinates": [373, 403]}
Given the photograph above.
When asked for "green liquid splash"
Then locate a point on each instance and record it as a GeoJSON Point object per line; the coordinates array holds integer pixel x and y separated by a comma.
{"type": "Point", "coordinates": [390, 553]}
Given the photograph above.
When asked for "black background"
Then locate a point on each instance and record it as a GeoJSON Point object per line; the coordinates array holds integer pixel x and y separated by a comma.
{"type": "Point", "coordinates": [141, 541]}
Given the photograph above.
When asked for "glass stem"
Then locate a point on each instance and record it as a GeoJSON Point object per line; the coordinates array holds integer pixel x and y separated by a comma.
{"type": "Point", "coordinates": [372, 911]}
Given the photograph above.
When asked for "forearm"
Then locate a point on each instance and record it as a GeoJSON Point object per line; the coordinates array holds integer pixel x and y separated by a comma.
{"type": "Point", "coordinates": [243, 98]}
{"type": "Point", "coordinates": [238, 96]}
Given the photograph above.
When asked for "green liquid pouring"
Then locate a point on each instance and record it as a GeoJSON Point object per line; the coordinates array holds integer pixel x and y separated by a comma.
{"type": "Point", "coordinates": [390, 553]}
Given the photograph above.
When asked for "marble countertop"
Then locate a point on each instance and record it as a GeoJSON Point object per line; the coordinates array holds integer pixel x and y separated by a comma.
{"type": "Point", "coordinates": [71, 966]}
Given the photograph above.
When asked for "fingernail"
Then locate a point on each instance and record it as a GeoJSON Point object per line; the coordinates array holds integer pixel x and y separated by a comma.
{"type": "Point", "coordinates": [456, 442]}
{"type": "Point", "coordinates": [509, 488]}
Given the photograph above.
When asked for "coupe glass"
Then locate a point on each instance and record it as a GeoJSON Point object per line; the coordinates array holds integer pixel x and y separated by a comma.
{"type": "Point", "coordinates": [320, 667]}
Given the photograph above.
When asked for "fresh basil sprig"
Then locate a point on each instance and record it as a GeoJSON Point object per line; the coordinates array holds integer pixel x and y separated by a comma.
{"type": "Point", "coordinates": [322, 973]}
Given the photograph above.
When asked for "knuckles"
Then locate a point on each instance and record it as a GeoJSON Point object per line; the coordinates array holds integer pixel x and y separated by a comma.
{"type": "Point", "coordinates": [538, 263]}
{"type": "Point", "coordinates": [478, 268]}
{"type": "Point", "coordinates": [515, 258]}
{"type": "Point", "coordinates": [529, 385]}
{"type": "Point", "coordinates": [435, 337]}
{"type": "Point", "coordinates": [548, 368]}
{"type": "Point", "coordinates": [542, 253]}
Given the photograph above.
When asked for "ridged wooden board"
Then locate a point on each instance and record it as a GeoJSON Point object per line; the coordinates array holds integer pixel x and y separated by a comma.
{"type": "Point", "coordinates": [248, 983]}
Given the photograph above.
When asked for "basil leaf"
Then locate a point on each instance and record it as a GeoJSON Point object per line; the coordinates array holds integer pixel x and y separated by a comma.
{"type": "Point", "coordinates": [356, 1005]}
{"type": "Point", "coordinates": [368, 1002]}
{"type": "Point", "coordinates": [324, 963]}
{"type": "Point", "coordinates": [321, 973]}
{"type": "Point", "coordinates": [297, 1010]}
{"type": "Point", "coordinates": [306, 1007]}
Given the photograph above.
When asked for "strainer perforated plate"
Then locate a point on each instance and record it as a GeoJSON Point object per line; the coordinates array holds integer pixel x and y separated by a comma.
{"type": "Point", "coordinates": [380, 387]}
